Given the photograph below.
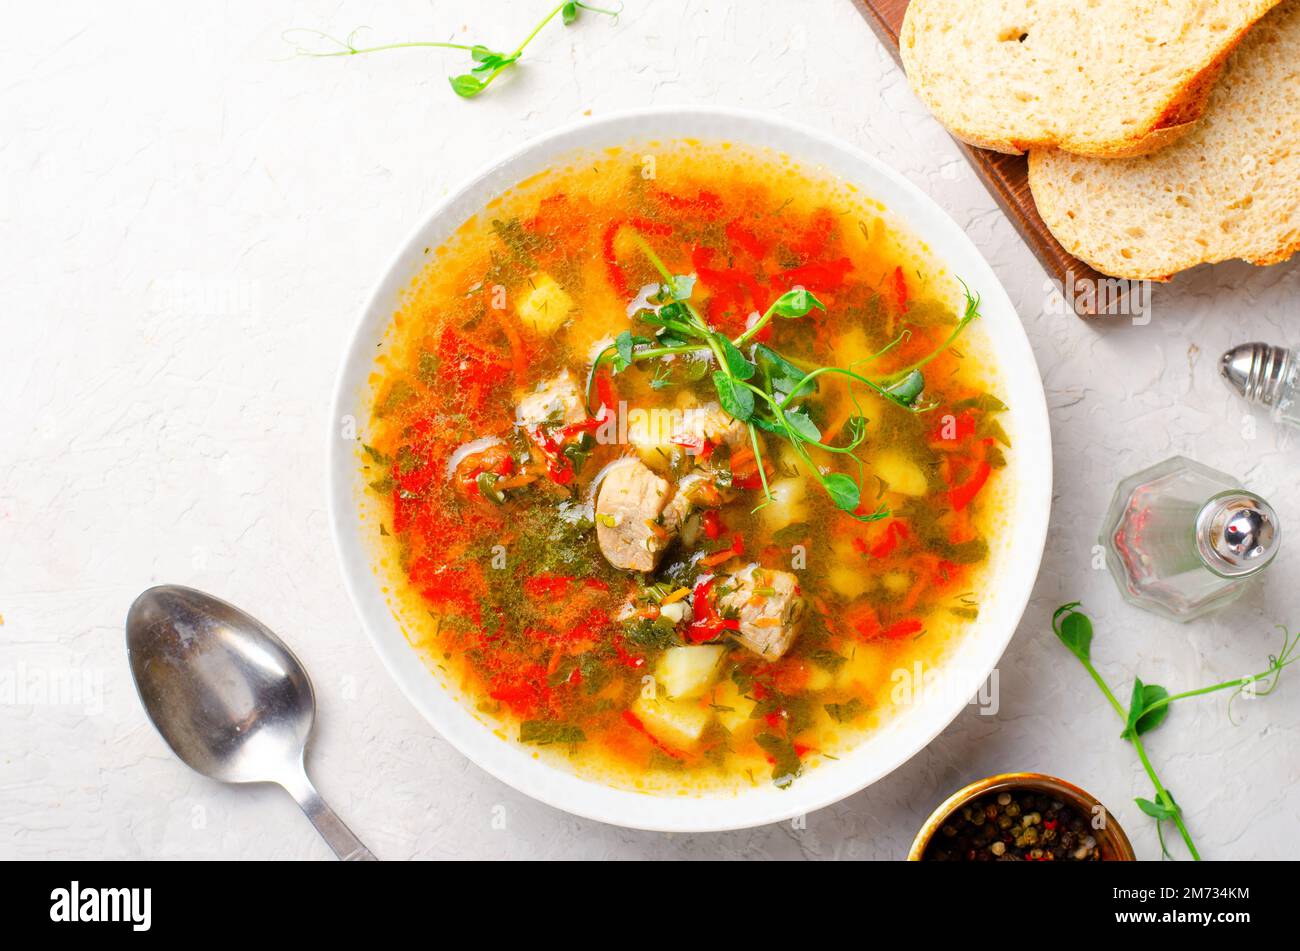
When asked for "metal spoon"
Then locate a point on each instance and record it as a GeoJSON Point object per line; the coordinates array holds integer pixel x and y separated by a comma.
{"type": "Point", "coordinates": [230, 699]}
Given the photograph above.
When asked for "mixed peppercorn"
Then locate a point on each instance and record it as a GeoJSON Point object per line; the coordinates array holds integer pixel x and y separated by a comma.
{"type": "Point", "coordinates": [1014, 826]}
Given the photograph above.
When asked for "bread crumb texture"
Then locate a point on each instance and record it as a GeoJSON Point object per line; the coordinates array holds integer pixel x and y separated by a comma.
{"type": "Point", "coordinates": [1093, 77]}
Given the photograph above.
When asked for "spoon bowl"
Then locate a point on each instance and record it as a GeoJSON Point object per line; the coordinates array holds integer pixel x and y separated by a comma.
{"type": "Point", "coordinates": [228, 696]}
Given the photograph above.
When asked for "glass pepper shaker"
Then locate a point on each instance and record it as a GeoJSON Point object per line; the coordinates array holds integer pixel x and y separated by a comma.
{"type": "Point", "coordinates": [1267, 376]}
{"type": "Point", "coordinates": [1183, 539]}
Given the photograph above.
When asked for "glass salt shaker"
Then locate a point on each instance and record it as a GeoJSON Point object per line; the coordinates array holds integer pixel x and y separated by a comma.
{"type": "Point", "coordinates": [1183, 539]}
{"type": "Point", "coordinates": [1267, 376]}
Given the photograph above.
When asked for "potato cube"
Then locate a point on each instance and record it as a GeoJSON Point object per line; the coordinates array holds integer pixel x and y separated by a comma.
{"type": "Point", "coordinates": [897, 582]}
{"type": "Point", "coordinates": [675, 723]}
{"type": "Point", "coordinates": [546, 306]}
{"type": "Point", "coordinates": [819, 678]}
{"type": "Point", "coordinates": [848, 581]}
{"type": "Point", "coordinates": [788, 506]}
{"type": "Point", "coordinates": [733, 707]}
{"type": "Point", "coordinates": [687, 672]}
{"type": "Point", "coordinates": [902, 474]}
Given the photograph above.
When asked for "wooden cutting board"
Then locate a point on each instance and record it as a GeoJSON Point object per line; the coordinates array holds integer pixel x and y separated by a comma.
{"type": "Point", "coordinates": [1007, 179]}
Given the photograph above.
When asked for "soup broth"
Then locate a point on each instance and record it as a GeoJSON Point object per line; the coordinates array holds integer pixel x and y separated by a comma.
{"type": "Point", "coordinates": [677, 457]}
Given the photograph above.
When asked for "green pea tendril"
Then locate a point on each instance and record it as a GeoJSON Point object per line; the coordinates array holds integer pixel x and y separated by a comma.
{"type": "Point", "coordinates": [761, 388]}
{"type": "Point", "coordinates": [488, 63]}
{"type": "Point", "coordinates": [1149, 706]}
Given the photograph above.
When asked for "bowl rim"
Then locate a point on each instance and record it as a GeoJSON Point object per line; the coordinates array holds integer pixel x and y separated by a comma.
{"type": "Point", "coordinates": [1114, 834]}
{"type": "Point", "coordinates": [923, 219]}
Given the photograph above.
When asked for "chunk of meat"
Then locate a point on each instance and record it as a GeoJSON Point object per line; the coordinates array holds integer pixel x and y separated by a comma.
{"type": "Point", "coordinates": [630, 527]}
{"type": "Point", "coordinates": [556, 402]}
{"type": "Point", "coordinates": [693, 491]}
{"type": "Point", "coordinates": [710, 421]}
{"type": "Point", "coordinates": [769, 608]}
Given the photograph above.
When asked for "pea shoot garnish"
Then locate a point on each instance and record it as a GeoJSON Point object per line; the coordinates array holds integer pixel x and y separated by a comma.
{"type": "Point", "coordinates": [1149, 706]}
{"type": "Point", "coordinates": [759, 387]}
{"type": "Point", "coordinates": [489, 63]}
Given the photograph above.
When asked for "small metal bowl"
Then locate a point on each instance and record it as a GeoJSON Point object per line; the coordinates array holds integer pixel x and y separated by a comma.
{"type": "Point", "coordinates": [1111, 840]}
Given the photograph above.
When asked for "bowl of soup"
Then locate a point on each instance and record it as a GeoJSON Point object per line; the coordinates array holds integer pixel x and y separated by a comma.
{"type": "Point", "coordinates": [689, 470]}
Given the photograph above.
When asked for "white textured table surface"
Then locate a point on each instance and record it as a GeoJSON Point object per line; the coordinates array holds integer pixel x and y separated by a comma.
{"type": "Point", "coordinates": [188, 229]}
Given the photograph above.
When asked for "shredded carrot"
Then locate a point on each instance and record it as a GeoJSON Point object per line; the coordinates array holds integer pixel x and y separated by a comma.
{"type": "Point", "coordinates": [741, 457]}
{"type": "Point", "coordinates": [717, 558]}
{"type": "Point", "coordinates": [518, 358]}
{"type": "Point", "coordinates": [914, 595]}
{"type": "Point", "coordinates": [554, 663]}
{"type": "Point", "coordinates": [676, 596]}
{"type": "Point", "coordinates": [735, 549]}
{"type": "Point", "coordinates": [662, 533]}
{"type": "Point", "coordinates": [766, 622]}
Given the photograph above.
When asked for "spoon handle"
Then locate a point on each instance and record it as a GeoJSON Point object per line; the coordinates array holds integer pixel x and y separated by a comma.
{"type": "Point", "coordinates": [331, 828]}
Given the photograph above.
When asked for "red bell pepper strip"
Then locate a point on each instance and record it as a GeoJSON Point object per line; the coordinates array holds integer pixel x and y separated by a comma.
{"type": "Point", "coordinates": [612, 268]}
{"type": "Point", "coordinates": [746, 240]}
{"type": "Point", "coordinates": [900, 289]}
{"type": "Point", "coordinates": [962, 495]}
{"type": "Point", "coordinates": [705, 202]}
{"type": "Point", "coordinates": [864, 622]}
{"type": "Point", "coordinates": [827, 277]}
{"type": "Point", "coordinates": [811, 244]}
{"type": "Point", "coordinates": [708, 624]}
{"type": "Point", "coordinates": [894, 531]}
{"type": "Point", "coordinates": [606, 393]}
{"type": "Point", "coordinates": [626, 659]}
{"type": "Point", "coordinates": [546, 585]}
{"type": "Point", "coordinates": [902, 629]}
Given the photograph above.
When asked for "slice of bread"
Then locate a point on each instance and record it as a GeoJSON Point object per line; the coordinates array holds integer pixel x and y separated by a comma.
{"type": "Point", "coordinates": [1094, 77]}
{"type": "Point", "coordinates": [1229, 189]}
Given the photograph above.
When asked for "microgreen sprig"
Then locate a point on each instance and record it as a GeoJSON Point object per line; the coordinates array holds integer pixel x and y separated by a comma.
{"type": "Point", "coordinates": [1149, 706]}
{"type": "Point", "coordinates": [488, 63]}
{"type": "Point", "coordinates": [761, 388]}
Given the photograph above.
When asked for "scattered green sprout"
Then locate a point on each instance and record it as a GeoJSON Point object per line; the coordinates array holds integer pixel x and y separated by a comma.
{"type": "Point", "coordinates": [1149, 706]}
{"type": "Point", "coordinates": [762, 388]}
{"type": "Point", "coordinates": [488, 63]}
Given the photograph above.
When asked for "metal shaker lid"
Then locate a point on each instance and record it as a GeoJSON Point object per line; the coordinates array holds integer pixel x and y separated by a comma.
{"type": "Point", "coordinates": [1237, 534]}
{"type": "Point", "coordinates": [1257, 371]}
